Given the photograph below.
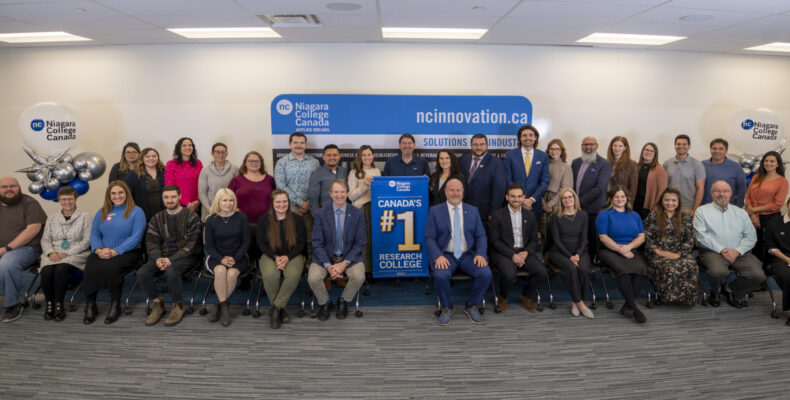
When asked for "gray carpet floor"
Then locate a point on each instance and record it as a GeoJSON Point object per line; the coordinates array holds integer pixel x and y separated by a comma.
{"type": "Point", "coordinates": [401, 353]}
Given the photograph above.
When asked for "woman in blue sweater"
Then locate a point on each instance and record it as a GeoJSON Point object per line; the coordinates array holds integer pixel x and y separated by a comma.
{"type": "Point", "coordinates": [227, 238]}
{"type": "Point", "coordinates": [621, 233]}
{"type": "Point", "coordinates": [116, 232]}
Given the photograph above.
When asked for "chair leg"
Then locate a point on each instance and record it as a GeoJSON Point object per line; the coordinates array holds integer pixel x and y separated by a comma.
{"type": "Point", "coordinates": [609, 303]}
{"type": "Point", "coordinates": [357, 312]}
{"type": "Point", "coordinates": [72, 306]}
{"type": "Point", "coordinates": [774, 313]}
{"type": "Point", "coordinates": [25, 301]}
{"type": "Point", "coordinates": [257, 311]}
{"type": "Point", "coordinates": [203, 310]}
{"type": "Point", "coordinates": [126, 308]}
{"type": "Point", "coordinates": [301, 313]}
{"type": "Point", "coordinates": [552, 304]}
{"type": "Point", "coordinates": [592, 291]}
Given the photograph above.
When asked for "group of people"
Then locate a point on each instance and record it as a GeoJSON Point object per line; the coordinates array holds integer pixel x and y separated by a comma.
{"type": "Point", "coordinates": [639, 218]}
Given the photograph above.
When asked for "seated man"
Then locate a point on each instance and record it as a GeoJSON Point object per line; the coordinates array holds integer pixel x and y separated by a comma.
{"type": "Point", "coordinates": [338, 240]}
{"type": "Point", "coordinates": [456, 239]}
{"type": "Point", "coordinates": [21, 220]}
{"type": "Point", "coordinates": [172, 242]}
{"type": "Point", "coordinates": [514, 238]}
{"type": "Point", "coordinates": [725, 237]}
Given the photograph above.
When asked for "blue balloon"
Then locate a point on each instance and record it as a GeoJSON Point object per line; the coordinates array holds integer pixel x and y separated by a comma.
{"type": "Point", "coordinates": [79, 185]}
{"type": "Point", "coordinates": [50, 195]}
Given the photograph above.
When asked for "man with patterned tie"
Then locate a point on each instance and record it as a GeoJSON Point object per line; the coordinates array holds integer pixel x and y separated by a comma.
{"type": "Point", "coordinates": [338, 240]}
{"type": "Point", "coordinates": [485, 178]}
{"type": "Point", "coordinates": [529, 167]}
{"type": "Point", "coordinates": [455, 239]}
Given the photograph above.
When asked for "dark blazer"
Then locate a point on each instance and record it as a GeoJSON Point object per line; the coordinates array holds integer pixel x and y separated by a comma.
{"type": "Point", "coordinates": [439, 231]}
{"type": "Point", "coordinates": [354, 236]}
{"type": "Point", "coordinates": [592, 191]}
{"type": "Point", "coordinates": [139, 194]}
{"type": "Point", "coordinates": [538, 180]}
{"type": "Point", "coordinates": [486, 190]}
{"type": "Point", "coordinates": [436, 192]}
{"type": "Point", "coordinates": [501, 231]}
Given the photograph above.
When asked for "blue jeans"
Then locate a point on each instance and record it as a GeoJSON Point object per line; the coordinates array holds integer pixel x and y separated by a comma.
{"type": "Point", "coordinates": [481, 276]}
{"type": "Point", "coordinates": [11, 266]}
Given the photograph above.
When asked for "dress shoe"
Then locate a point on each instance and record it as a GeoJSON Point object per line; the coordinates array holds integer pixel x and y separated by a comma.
{"type": "Point", "coordinates": [49, 312]}
{"type": "Point", "coordinates": [731, 300]}
{"type": "Point", "coordinates": [216, 315]}
{"type": "Point", "coordinates": [342, 309]}
{"type": "Point", "coordinates": [715, 299]}
{"type": "Point", "coordinates": [284, 317]}
{"type": "Point", "coordinates": [627, 311]}
{"type": "Point", "coordinates": [501, 304]}
{"type": "Point", "coordinates": [575, 311]}
{"type": "Point", "coordinates": [91, 311]}
{"type": "Point", "coordinates": [60, 312]}
{"type": "Point", "coordinates": [323, 312]}
{"type": "Point", "coordinates": [587, 313]}
{"type": "Point", "coordinates": [224, 319]}
{"type": "Point", "coordinates": [156, 312]}
{"type": "Point", "coordinates": [639, 316]}
{"type": "Point", "coordinates": [114, 313]}
{"type": "Point", "coordinates": [528, 303]}
{"type": "Point", "coordinates": [274, 318]}
{"type": "Point", "coordinates": [176, 314]}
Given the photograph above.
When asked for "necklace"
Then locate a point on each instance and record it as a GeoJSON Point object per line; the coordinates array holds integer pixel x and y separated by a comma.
{"type": "Point", "coordinates": [224, 219]}
{"type": "Point", "coordinates": [570, 217]}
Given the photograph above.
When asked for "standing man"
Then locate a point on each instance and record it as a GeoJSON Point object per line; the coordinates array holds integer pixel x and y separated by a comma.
{"type": "Point", "coordinates": [485, 178]}
{"type": "Point", "coordinates": [591, 174]}
{"type": "Point", "coordinates": [514, 238]}
{"type": "Point", "coordinates": [21, 220]}
{"type": "Point", "coordinates": [338, 240]}
{"type": "Point", "coordinates": [407, 163]}
{"type": "Point", "coordinates": [456, 239]}
{"type": "Point", "coordinates": [687, 174]}
{"type": "Point", "coordinates": [321, 178]}
{"type": "Point", "coordinates": [172, 242]}
{"type": "Point", "coordinates": [721, 168]}
{"type": "Point", "coordinates": [529, 167]}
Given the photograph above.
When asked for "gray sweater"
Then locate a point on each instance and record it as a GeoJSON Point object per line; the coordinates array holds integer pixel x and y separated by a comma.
{"type": "Point", "coordinates": [77, 231]}
{"type": "Point", "coordinates": [211, 179]}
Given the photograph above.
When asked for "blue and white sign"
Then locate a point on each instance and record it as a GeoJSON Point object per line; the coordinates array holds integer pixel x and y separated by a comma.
{"type": "Point", "coordinates": [398, 214]}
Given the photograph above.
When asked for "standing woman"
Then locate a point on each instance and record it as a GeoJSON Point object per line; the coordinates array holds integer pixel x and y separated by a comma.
{"type": "Point", "coordinates": [215, 176]}
{"type": "Point", "coordinates": [65, 246]}
{"type": "Point", "coordinates": [560, 176]}
{"type": "Point", "coordinates": [624, 170]}
{"type": "Point", "coordinates": [116, 232]}
{"type": "Point", "coordinates": [227, 238]}
{"type": "Point", "coordinates": [569, 250]}
{"type": "Point", "coordinates": [621, 233]}
{"type": "Point", "coordinates": [146, 183]}
{"type": "Point", "coordinates": [252, 187]}
{"type": "Point", "coordinates": [652, 180]}
{"type": "Point", "coordinates": [669, 246]}
{"type": "Point", "coordinates": [776, 233]}
{"type": "Point", "coordinates": [359, 192]}
{"type": "Point", "coordinates": [281, 238]}
{"type": "Point", "coordinates": [130, 157]}
{"type": "Point", "coordinates": [765, 196]}
{"type": "Point", "coordinates": [183, 171]}
{"type": "Point", "coordinates": [446, 169]}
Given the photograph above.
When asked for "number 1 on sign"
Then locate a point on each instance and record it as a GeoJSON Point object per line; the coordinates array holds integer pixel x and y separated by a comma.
{"type": "Point", "coordinates": [408, 232]}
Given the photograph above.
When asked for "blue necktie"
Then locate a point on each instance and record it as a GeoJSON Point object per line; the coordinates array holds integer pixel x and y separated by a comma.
{"type": "Point", "coordinates": [457, 234]}
{"type": "Point", "coordinates": [339, 233]}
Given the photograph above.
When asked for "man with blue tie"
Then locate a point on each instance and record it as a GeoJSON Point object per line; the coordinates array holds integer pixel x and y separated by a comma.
{"type": "Point", "coordinates": [485, 178]}
{"type": "Point", "coordinates": [456, 239]}
{"type": "Point", "coordinates": [528, 167]}
{"type": "Point", "coordinates": [591, 174]}
{"type": "Point", "coordinates": [338, 240]}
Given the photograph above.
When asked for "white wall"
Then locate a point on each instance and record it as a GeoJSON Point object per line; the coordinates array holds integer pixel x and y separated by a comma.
{"type": "Point", "coordinates": [155, 94]}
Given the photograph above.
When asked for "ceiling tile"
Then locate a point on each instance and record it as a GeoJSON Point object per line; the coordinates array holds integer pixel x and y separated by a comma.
{"type": "Point", "coordinates": [203, 21]}
{"type": "Point", "coordinates": [749, 6]}
{"type": "Point", "coordinates": [323, 34]}
{"type": "Point", "coordinates": [652, 28]}
{"type": "Point", "coordinates": [305, 6]}
{"type": "Point", "coordinates": [55, 10]}
{"type": "Point", "coordinates": [562, 10]}
{"type": "Point", "coordinates": [448, 7]}
{"type": "Point", "coordinates": [349, 20]}
{"type": "Point", "coordinates": [671, 15]}
{"type": "Point", "coordinates": [433, 21]}
{"type": "Point", "coordinates": [174, 7]}
{"type": "Point", "coordinates": [551, 24]}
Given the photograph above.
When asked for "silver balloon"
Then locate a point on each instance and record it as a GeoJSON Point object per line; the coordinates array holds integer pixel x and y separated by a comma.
{"type": "Point", "coordinates": [32, 176]}
{"type": "Point", "coordinates": [36, 187]}
{"type": "Point", "coordinates": [39, 176]}
{"type": "Point", "coordinates": [79, 165]}
{"type": "Point", "coordinates": [67, 158]}
{"type": "Point", "coordinates": [735, 157]}
{"type": "Point", "coordinates": [95, 163]}
{"type": "Point", "coordinates": [747, 161]}
{"type": "Point", "coordinates": [756, 168]}
{"type": "Point", "coordinates": [747, 171]}
{"type": "Point", "coordinates": [52, 184]}
{"type": "Point", "coordinates": [64, 172]}
{"type": "Point", "coordinates": [85, 175]}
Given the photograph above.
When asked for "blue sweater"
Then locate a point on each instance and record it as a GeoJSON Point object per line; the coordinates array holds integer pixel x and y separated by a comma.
{"type": "Point", "coordinates": [728, 171]}
{"type": "Point", "coordinates": [622, 227]}
{"type": "Point", "coordinates": [117, 233]}
{"type": "Point", "coordinates": [227, 236]}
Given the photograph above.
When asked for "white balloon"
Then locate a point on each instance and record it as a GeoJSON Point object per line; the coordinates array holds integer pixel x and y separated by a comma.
{"type": "Point", "coordinates": [49, 128]}
{"type": "Point", "coordinates": [755, 130]}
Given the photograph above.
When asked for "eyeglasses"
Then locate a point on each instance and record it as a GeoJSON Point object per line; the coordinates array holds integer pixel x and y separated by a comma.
{"type": "Point", "coordinates": [253, 161]}
{"type": "Point", "coordinates": [220, 153]}
{"type": "Point", "coordinates": [589, 144]}
{"type": "Point", "coordinates": [4, 187]}
{"type": "Point", "coordinates": [131, 152]}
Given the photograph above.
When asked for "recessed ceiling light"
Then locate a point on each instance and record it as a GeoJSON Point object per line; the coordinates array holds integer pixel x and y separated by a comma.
{"type": "Point", "coordinates": [343, 6]}
{"type": "Point", "coordinates": [696, 18]}
{"type": "Point", "coordinates": [627, 38]}
{"type": "Point", "coordinates": [225, 33]}
{"type": "Point", "coordinates": [432, 33]}
{"type": "Point", "coordinates": [775, 46]}
{"type": "Point", "coordinates": [478, 8]}
{"type": "Point", "coordinates": [40, 37]}
{"type": "Point", "coordinates": [80, 10]}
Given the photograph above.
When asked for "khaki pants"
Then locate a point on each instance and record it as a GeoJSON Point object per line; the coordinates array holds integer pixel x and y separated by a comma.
{"type": "Point", "coordinates": [316, 275]}
{"type": "Point", "coordinates": [280, 293]}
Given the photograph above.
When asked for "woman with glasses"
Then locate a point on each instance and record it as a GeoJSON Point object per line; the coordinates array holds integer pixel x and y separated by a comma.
{"type": "Point", "coordinates": [216, 175]}
{"type": "Point", "coordinates": [130, 157]}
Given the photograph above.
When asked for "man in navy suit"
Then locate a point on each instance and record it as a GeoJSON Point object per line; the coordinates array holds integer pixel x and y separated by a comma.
{"type": "Point", "coordinates": [456, 239]}
{"type": "Point", "coordinates": [338, 240]}
{"type": "Point", "coordinates": [528, 167]}
{"type": "Point", "coordinates": [485, 178]}
{"type": "Point", "coordinates": [514, 238]}
{"type": "Point", "coordinates": [591, 174]}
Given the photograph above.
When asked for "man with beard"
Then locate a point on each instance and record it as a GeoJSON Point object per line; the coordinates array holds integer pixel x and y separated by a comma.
{"type": "Point", "coordinates": [485, 178]}
{"type": "Point", "coordinates": [591, 174]}
{"type": "Point", "coordinates": [21, 220]}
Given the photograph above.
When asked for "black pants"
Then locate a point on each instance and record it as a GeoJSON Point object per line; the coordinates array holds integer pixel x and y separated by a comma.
{"type": "Point", "coordinates": [758, 250]}
{"type": "Point", "coordinates": [576, 279]}
{"type": "Point", "coordinates": [592, 235]}
{"type": "Point", "coordinates": [507, 271]}
{"type": "Point", "coordinates": [54, 280]}
{"type": "Point", "coordinates": [781, 273]}
{"type": "Point", "coordinates": [173, 275]}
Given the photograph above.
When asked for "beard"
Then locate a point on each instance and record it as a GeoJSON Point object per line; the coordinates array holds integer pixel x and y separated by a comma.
{"type": "Point", "coordinates": [13, 200]}
{"type": "Point", "coordinates": [589, 157]}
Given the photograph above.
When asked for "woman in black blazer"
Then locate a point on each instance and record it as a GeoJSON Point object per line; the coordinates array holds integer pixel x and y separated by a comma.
{"type": "Point", "coordinates": [446, 168]}
{"type": "Point", "coordinates": [146, 183]}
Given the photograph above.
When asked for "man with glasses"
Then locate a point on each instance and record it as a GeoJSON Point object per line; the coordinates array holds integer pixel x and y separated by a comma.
{"type": "Point", "coordinates": [591, 174]}
{"type": "Point", "coordinates": [21, 220]}
{"type": "Point", "coordinates": [484, 174]}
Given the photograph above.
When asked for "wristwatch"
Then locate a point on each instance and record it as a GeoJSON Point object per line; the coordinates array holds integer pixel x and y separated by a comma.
{"type": "Point", "coordinates": [8, 248]}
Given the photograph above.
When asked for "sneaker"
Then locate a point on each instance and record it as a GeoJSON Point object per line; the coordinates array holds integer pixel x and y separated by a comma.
{"type": "Point", "coordinates": [13, 313]}
{"type": "Point", "coordinates": [474, 315]}
{"type": "Point", "coordinates": [176, 314]}
{"type": "Point", "coordinates": [446, 316]}
{"type": "Point", "coordinates": [156, 313]}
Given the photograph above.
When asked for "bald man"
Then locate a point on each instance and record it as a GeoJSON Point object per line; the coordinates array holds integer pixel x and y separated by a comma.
{"type": "Point", "coordinates": [21, 220]}
{"type": "Point", "coordinates": [591, 174]}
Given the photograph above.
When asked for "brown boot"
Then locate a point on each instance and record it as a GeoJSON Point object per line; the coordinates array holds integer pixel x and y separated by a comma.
{"type": "Point", "coordinates": [176, 314]}
{"type": "Point", "coordinates": [501, 304]}
{"type": "Point", "coordinates": [156, 313]}
{"type": "Point", "coordinates": [528, 304]}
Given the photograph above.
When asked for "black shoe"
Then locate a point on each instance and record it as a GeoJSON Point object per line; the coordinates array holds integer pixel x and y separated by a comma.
{"type": "Point", "coordinates": [731, 299]}
{"type": "Point", "coordinates": [274, 318]}
{"type": "Point", "coordinates": [215, 316]}
{"type": "Point", "coordinates": [60, 312]}
{"type": "Point", "coordinates": [284, 317]}
{"type": "Point", "coordinates": [342, 309]}
{"type": "Point", "coordinates": [13, 313]}
{"type": "Point", "coordinates": [639, 316]}
{"type": "Point", "coordinates": [627, 311]}
{"type": "Point", "coordinates": [715, 299]}
{"type": "Point", "coordinates": [49, 313]}
{"type": "Point", "coordinates": [114, 313]}
{"type": "Point", "coordinates": [224, 319]}
{"type": "Point", "coordinates": [91, 311]}
{"type": "Point", "coordinates": [323, 312]}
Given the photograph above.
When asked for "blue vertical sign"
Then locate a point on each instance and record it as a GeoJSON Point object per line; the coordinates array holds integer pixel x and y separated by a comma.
{"type": "Point", "coordinates": [398, 214]}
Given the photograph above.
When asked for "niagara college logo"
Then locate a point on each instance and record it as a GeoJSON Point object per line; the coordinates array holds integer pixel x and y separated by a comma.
{"type": "Point", "coordinates": [37, 125]}
{"type": "Point", "coordinates": [284, 107]}
{"type": "Point", "coordinates": [747, 124]}
{"type": "Point", "coordinates": [392, 183]}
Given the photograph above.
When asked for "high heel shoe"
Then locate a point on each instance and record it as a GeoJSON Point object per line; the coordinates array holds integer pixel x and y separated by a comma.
{"type": "Point", "coordinates": [114, 313]}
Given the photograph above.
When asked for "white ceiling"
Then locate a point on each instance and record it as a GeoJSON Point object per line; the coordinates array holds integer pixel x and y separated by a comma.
{"type": "Point", "coordinates": [735, 24]}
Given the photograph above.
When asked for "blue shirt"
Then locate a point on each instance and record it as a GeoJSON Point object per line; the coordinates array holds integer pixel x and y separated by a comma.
{"type": "Point", "coordinates": [728, 171]}
{"type": "Point", "coordinates": [729, 229]}
{"type": "Point", "coordinates": [622, 227]}
{"type": "Point", "coordinates": [395, 166]}
{"type": "Point", "coordinates": [293, 176]}
{"type": "Point", "coordinates": [115, 232]}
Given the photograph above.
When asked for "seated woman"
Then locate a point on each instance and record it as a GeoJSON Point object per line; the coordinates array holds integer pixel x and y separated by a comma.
{"type": "Point", "coordinates": [620, 232]}
{"type": "Point", "coordinates": [227, 238]}
{"type": "Point", "coordinates": [669, 245]}
{"type": "Point", "coordinates": [569, 249]}
{"type": "Point", "coordinates": [146, 183]}
{"type": "Point", "coordinates": [281, 238]}
{"type": "Point", "coordinates": [775, 238]}
{"type": "Point", "coordinates": [116, 232]}
{"type": "Point", "coordinates": [446, 169]}
{"type": "Point", "coordinates": [65, 246]}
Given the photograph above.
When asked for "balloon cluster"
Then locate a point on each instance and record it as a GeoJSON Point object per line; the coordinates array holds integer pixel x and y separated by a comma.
{"type": "Point", "coordinates": [49, 174]}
